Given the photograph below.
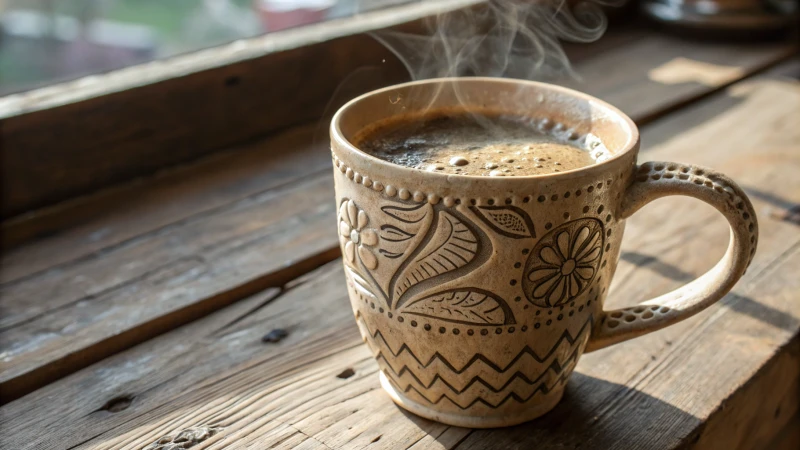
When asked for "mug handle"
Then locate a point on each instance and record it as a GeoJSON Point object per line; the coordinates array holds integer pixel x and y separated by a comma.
{"type": "Point", "coordinates": [654, 180]}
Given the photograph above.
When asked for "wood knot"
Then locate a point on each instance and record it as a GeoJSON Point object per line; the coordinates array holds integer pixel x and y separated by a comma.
{"type": "Point", "coordinates": [118, 404]}
{"type": "Point", "coordinates": [232, 81]}
{"type": "Point", "coordinates": [184, 439]}
{"type": "Point", "coordinates": [275, 335]}
{"type": "Point", "coordinates": [346, 373]}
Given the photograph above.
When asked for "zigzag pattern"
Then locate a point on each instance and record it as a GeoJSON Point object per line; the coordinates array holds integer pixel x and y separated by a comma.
{"type": "Point", "coordinates": [522, 391]}
{"type": "Point", "coordinates": [555, 367]}
{"type": "Point", "coordinates": [565, 337]}
{"type": "Point", "coordinates": [473, 388]}
{"type": "Point", "coordinates": [541, 388]}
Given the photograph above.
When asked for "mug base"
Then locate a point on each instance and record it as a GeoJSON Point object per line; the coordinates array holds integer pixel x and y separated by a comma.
{"type": "Point", "coordinates": [471, 421]}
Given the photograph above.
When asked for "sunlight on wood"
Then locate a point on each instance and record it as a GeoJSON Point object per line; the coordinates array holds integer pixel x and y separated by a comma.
{"type": "Point", "coordinates": [684, 70]}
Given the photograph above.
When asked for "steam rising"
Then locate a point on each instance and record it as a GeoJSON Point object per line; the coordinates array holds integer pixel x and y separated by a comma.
{"type": "Point", "coordinates": [506, 38]}
{"type": "Point", "coordinates": [501, 38]}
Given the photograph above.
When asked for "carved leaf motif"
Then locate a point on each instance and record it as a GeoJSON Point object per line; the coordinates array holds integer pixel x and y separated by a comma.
{"type": "Point", "coordinates": [406, 214]}
{"type": "Point", "coordinates": [452, 246]}
{"type": "Point", "coordinates": [469, 306]}
{"type": "Point", "coordinates": [393, 234]}
{"type": "Point", "coordinates": [398, 237]}
{"type": "Point", "coordinates": [507, 220]}
{"type": "Point", "coordinates": [359, 283]}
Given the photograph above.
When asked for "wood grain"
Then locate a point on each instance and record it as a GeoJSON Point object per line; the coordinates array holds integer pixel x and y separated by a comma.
{"type": "Point", "coordinates": [84, 227]}
{"type": "Point", "coordinates": [74, 297]}
{"type": "Point", "coordinates": [727, 378]}
{"type": "Point", "coordinates": [315, 313]}
{"type": "Point", "coordinates": [129, 292]}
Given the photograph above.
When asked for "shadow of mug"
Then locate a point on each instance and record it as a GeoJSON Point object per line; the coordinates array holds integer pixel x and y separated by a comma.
{"type": "Point", "coordinates": [594, 414]}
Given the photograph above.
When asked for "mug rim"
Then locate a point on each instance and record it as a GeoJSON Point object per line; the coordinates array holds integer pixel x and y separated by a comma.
{"type": "Point", "coordinates": [630, 145]}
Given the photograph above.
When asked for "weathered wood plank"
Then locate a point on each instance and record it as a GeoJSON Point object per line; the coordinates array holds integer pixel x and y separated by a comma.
{"type": "Point", "coordinates": [92, 224]}
{"type": "Point", "coordinates": [128, 239]}
{"type": "Point", "coordinates": [105, 303]}
{"type": "Point", "coordinates": [727, 377]}
{"type": "Point", "coordinates": [676, 72]}
{"type": "Point", "coordinates": [316, 316]}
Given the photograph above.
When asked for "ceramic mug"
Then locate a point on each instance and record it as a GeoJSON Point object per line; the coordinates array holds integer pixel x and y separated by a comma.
{"type": "Point", "coordinates": [477, 295]}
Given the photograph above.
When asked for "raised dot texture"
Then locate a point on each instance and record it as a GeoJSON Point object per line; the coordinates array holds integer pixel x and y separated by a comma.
{"type": "Point", "coordinates": [404, 194]}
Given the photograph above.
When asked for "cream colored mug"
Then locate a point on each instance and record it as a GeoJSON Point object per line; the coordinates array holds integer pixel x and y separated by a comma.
{"type": "Point", "coordinates": [477, 295]}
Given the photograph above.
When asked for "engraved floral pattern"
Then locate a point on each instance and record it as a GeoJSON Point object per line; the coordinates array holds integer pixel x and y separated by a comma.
{"type": "Point", "coordinates": [563, 263]}
{"type": "Point", "coordinates": [357, 239]}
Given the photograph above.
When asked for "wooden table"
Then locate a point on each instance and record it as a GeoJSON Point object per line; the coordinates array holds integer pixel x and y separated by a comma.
{"type": "Point", "coordinates": [205, 307]}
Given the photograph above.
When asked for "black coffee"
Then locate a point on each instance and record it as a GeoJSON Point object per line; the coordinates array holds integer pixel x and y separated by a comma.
{"type": "Point", "coordinates": [470, 144]}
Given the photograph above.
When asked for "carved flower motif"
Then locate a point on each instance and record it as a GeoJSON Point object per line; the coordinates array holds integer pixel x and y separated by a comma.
{"type": "Point", "coordinates": [357, 238]}
{"type": "Point", "coordinates": [564, 262]}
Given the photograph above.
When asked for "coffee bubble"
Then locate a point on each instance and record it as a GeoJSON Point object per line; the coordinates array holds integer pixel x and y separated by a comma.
{"type": "Point", "coordinates": [458, 161]}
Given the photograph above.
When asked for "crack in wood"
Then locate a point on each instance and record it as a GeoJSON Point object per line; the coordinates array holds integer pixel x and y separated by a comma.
{"type": "Point", "coordinates": [307, 436]}
{"type": "Point", "coordinates": [279, 294]}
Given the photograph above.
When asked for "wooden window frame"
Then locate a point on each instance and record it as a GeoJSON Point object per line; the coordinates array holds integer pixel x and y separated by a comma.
{"type": "Point", "coordinates": [76, 137]}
